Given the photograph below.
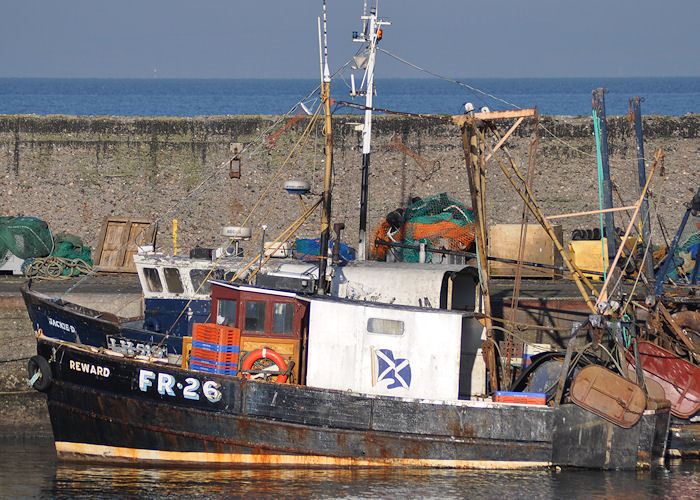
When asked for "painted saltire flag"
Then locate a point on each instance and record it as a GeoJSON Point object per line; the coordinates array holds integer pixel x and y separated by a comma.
{"type": "Point", "coordinates": [395, 370]}
{"type": "Point", "coordinates": [420, 360]}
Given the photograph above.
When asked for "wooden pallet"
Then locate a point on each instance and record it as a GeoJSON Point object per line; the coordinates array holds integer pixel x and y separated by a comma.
{"type": "Point", "coordinates": [118, 240]}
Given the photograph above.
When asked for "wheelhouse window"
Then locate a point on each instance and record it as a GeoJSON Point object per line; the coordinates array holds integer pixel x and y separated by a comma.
{"type": "Point", "coordinates": [198, 276]}
{"type": "Point", "coordinates": [172, 280]}
{"type": "Point", "coordinates": [152, 279]}
{"type": "Point", "coordinates": [255, 316]}
{"type": "Point", "coordinates": [226, 312]}
{"type": "Point", "coordinates": [385, 326]}
{"type": "Point", "coordinates": [282, 317]}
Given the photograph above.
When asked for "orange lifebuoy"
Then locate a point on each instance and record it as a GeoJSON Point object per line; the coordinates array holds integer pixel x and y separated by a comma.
{"type": "Point", "coordinates": [263, 353]}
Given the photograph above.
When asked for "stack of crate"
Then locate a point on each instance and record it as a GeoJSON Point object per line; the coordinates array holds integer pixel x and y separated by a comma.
{"type": "Point", "coordinates": [215, 348]}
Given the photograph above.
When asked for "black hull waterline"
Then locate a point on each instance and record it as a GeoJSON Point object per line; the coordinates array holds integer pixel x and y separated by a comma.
{"type": "Point", "coordinates": [119, 409]}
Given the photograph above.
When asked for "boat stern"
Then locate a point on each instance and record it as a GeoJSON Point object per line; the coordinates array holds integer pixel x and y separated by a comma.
{"type": "Point", "coordinates": [582, 439]}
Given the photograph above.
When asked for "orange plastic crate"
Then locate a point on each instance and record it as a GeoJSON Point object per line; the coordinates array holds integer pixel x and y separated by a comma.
{"type": "Point", "coordinates": [215, 348]}
{"type": "Point", "coordinates": [216, 357]}
{"type": "Point", "coordinates": [216, 334]}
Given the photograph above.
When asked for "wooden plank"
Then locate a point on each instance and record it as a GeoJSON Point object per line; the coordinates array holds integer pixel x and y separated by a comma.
{"type": "Point", "coordinates": [140, 233]}
{"type": "Point", "coordinates": [591, 212]}
{"type": "Point", "coordinates": [288, 348]}
{"type": "Point", "coordinates": [118, 240]}
{"type": "Point", "coordinates": [100, 242]}
{"type": "Point", "coordinates": [116, 234]}
{"type": "Point", "coordinates": [504, 240]}
{"type": "Point", "coordinates": [461, 120]}
{"type": "Point", "coordinates": [503, 139]}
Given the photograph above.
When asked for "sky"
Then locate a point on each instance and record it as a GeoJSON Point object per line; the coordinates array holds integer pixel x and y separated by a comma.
{"type": "Point", "coordinates": [279, 38]}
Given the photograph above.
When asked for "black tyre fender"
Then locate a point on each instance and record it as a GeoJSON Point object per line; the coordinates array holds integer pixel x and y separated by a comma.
{"type": "Point", "coordinates": [39, 364]}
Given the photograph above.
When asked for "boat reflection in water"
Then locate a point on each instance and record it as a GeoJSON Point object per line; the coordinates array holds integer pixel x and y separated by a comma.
{"type": "Point", "coordinates": [680, 482]}
{"type": "Point", "coordinates": [30, 470]}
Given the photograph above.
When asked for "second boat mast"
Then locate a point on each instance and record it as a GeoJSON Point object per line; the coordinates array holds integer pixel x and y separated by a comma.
{"type": "Point", "coordinates": [371, 34]}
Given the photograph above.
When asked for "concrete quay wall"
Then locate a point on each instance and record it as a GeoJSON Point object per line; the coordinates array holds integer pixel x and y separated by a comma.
{"type": "Point", "coordinates": [22, 409]}
{"type": "Point", "coordinates": [73, 171]}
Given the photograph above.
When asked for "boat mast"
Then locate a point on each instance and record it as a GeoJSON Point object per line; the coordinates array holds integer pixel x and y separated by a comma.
{"type": "Point", "coordinates": [371, 34]}
{"type": "Point", "coordinates": [635, 108]}
{"type": "Point", "coordinates": [602, 143]}
{"type": "Point", "coordinates": [327, 131]}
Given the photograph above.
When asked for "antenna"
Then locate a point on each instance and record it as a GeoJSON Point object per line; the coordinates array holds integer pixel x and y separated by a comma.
{"type": "Point", "coordinates": [364, 15]}
{"type": "Point", "coordinates": [320, 48]}
{"type": "Point", "coordinates": [371, 35]}
{"type": "Point", "coordinates": [326, 73]}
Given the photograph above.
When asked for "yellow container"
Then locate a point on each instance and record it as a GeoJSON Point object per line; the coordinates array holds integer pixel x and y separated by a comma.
{"type": "Point", "coordinates": [589, 255]}
{"type": "Point", "coordinates": [592, 255]}
{"type": "Point", "coordinates": [186, 349]}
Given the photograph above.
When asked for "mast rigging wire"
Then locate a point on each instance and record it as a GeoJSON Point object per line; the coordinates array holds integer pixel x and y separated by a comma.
{"type": "Point", "coordinates": [476, 90]}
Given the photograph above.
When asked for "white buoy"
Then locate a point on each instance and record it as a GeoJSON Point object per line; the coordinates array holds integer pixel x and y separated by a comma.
{"type": "Point", "coordinates": [237, 232]}
{"type": "Point", "coordinates": [297, 186]}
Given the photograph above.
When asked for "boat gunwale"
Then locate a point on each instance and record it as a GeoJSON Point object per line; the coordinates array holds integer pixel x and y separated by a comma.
{"type": "Point", "coordinates": [159, 362]}
{"type": "Point", "coordinates": [82, 311]}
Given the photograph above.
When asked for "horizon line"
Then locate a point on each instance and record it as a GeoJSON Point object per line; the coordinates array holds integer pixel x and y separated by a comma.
{"type": "Point", "coordinates": [316, 78]}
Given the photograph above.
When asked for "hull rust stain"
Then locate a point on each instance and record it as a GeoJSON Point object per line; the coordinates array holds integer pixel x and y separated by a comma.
{"type": "Point", "coordinates": [78, 451]}
{"type": "Point", "coordinates": [379, 449]}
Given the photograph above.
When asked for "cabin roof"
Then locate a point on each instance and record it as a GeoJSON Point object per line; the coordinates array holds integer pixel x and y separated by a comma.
{"type": "Point", "coordinates": [248, 288]}
{"type": "Point", "coordinates": [327, 299]}
{"type": "Point", "coordinates": [407, 267]}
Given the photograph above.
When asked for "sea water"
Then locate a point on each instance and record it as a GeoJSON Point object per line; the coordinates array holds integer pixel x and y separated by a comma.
{"type": "Point", "coordinates": [196, 97]}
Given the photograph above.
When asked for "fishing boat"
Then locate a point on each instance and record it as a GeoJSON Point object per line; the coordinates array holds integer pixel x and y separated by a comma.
{"type": "Point", "coordinates": [333, 374]}
{"type": "Point", "coordinates": [283, 379]}
{"type": "Point", "coordinates": [278, 378]}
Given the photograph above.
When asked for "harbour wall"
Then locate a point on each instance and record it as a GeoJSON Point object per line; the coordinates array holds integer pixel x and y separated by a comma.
{"type": "Point", "coordinates": [22, 409]}
{"type": "Point", "coordinates": [74, 171]}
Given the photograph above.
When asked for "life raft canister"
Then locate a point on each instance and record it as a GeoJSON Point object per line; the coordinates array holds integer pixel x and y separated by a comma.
{"type": "Point", "coordinates": [39, 365]}
{"type": "Point", "coordinates": [265, 353]}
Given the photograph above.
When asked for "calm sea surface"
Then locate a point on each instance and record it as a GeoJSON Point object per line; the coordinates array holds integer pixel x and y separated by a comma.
{"type": "Point", "coordinates": [159, 97]}
{"type": "Point", "coordinates": [28, 469]}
